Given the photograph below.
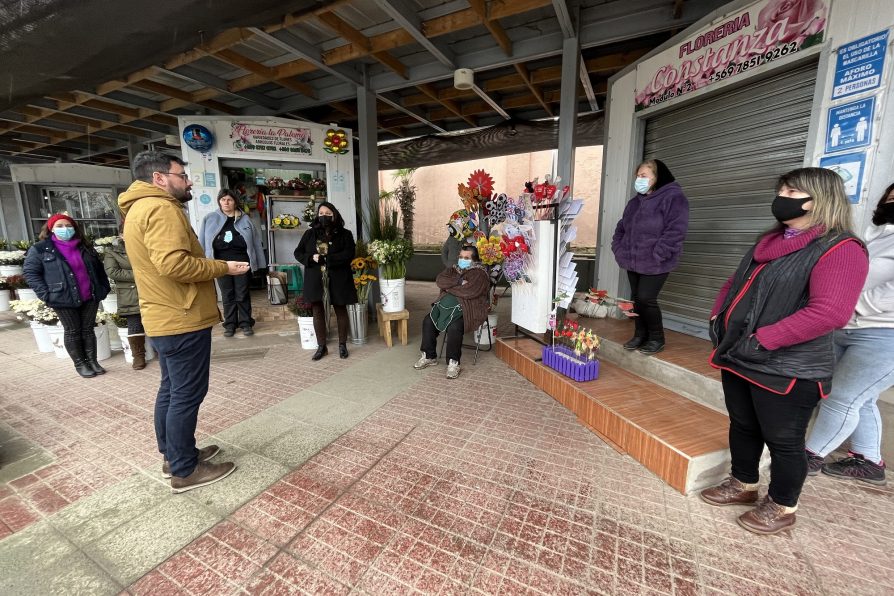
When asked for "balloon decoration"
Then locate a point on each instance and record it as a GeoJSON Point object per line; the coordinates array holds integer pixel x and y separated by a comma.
{"type": "Point", "coordinates": [198, 137]}
{"type": "Point", "coordinates": [336, 141]}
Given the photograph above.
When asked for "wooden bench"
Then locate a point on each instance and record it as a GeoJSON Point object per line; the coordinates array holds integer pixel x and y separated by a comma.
{"type": "Point", "coordinates": [402, 317]}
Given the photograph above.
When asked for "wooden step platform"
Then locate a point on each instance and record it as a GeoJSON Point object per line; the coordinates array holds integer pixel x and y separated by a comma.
{"type": "Point", "coordinates": [681, 441]}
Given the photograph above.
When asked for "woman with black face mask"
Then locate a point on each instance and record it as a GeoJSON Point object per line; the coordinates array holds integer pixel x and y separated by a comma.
{"type": "Point", "coordinates": [771, 326]}
{"type": "Point", "coordinates": [326, 251]}
{"type": "Point", "coordinates": [864, 367]}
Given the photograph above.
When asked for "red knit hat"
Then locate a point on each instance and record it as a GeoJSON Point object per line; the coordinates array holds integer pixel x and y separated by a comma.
{"type": "Point", "coordinates": [52, 221]}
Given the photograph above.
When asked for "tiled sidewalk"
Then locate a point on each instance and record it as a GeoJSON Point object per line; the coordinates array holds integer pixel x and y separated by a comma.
{"type": "Point", "coordinates": [365, 476]}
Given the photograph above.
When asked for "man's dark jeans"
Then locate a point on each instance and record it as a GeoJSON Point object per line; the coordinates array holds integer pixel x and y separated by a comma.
{"type": "Point", "coordinates": [760, 417]}
{"type": "Point", "coordinates": [185, 362]}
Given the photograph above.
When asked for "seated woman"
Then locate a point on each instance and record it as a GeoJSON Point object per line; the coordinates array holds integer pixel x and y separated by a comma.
{"type": "Point", "coordinates": [460, 308]}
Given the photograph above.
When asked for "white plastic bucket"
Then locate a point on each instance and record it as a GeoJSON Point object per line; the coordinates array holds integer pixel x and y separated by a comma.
{"type": "Point", "coordinates": [481, 333]}
{"type": "Point", "coordinates": [307, 333]}
{"type": "Point", "coordinates": [26, 294]}
{"type": "Point", "coordinates": [103, 347]}
{"type": "Point", "coordinates": [57, 337]}
{"type": "Point", "coordinates": [9, 270]}
{"type": "Point", "coordinates": [391, 291]}
{"type": "Point", "coordinates": [110, 303]}
{"type": "Point", "coordinates": [125, 345]}
{"type": "Point", "coordinates": [4, 300]}
{"type": "Point", "coordinates": [41, 337]}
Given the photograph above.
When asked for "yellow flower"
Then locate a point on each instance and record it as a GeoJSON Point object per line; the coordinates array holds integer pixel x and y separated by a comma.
{"type": "Point", "coordinates": [358, 264]}
{"type": "Point", "coordinates": [276, 221]}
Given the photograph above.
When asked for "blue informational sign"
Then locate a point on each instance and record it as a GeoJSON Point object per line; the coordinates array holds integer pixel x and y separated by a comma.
{"type": "Point", "coordinates": [860, 65]}
{"type": "Point", "coordinates": [198, 137]}
{"type": "Point", "coordinates": [850, 166]}
{"type": "Point", "coordinates": [210, 180]}
{"type": "Point", "coordinates": [850, 126]}
{"type": "Point", "coordinates": [205, 199]}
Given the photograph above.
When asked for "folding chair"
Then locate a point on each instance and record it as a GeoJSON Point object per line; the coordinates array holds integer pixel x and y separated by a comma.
{"type": "Point", "coordinates": [485, 328]}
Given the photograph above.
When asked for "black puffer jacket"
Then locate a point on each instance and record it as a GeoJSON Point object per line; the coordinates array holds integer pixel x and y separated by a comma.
{"type": "Point", "coordinates": [51, 278]}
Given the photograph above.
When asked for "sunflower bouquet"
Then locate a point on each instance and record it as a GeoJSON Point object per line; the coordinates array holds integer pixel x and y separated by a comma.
{"type": "Point", "coordinates": [363, 268]}
{"type": "Point", "coordinates": [286, 221]}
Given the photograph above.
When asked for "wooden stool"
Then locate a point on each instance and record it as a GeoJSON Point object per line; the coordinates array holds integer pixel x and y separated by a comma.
{"type": "Point", "coordinates": [402, 317]}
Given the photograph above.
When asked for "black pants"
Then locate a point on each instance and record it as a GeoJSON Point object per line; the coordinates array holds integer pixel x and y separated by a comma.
{"type": "Point", "coordinates": [135, 324]}
{"type": "Point", "coordinates": [78, 324]}
{"type": "Point", "coordinates": [644, 290]}
{"type": "Point", "coordinates": [430, 335]}
{"type": "Point", "coordinates": [341, 316]}
{"type": "Point", "coordinates": [236, 301]}
{"type": "Point", "coordinates": [758, 417]}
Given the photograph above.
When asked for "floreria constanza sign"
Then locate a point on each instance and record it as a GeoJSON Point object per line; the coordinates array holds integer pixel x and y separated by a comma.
{"type": "Point", "coordinates": [744, 41]}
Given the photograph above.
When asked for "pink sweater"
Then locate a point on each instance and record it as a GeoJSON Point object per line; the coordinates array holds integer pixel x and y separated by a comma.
{"type": "Point", "coordinates": [835, 285]}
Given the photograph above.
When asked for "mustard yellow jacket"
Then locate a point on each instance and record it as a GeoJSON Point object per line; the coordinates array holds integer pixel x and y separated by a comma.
{"type": "Point", "coordinates": [174, 279]}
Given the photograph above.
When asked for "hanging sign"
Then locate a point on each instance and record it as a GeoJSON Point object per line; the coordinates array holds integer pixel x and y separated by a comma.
{"type": "Point", "coordinates": [747, 40]}
{"type": "Point", "coordinates": [198, 137]}
{"type": "Point", "coordinates": [246, 137]}
{"type": "Point", "coordinates": [850, 126]}
{"type": "Point", "coordinates": [850, 167]}
{"type": "Point", "coordinates": [859, 65]}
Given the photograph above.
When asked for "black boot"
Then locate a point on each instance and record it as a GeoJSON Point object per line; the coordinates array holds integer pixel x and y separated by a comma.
{"type": "Point", "coordinates": [634, 342]}
{"type": "Point", "coordinates": [654, 344]}
{"type": "Point", "coordinates": [321, 351]}
{"type": "Point", "coordinates": [639, 334]}
{"type": "Point", "coordinates": [90, 354]}
{"type": "Point", "coordinates": [76, 353]}
{"type": "Point", "coordinates": [342, 351]}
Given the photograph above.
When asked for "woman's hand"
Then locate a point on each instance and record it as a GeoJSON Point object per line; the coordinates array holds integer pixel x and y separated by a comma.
{"type": "Point", "coordinates": [316, 258]}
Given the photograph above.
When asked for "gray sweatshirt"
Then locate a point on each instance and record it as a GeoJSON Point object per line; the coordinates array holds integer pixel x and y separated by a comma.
{"type": "Point", "coordinates": [450, 251]}
{"type": "Point", "coordinates": [876, 305]}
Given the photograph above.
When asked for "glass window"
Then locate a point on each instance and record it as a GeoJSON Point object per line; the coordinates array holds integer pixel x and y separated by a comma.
{"type": "Point", "coordinates": [96, 210]}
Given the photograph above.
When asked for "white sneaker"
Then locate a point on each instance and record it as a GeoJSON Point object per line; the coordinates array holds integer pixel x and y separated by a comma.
{"type": "Point", "coordinates": [425, 362]}
{"type": "Point", "coordinates": [452, 369]}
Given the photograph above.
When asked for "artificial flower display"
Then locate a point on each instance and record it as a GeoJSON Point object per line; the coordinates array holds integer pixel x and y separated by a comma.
{"type": "Point", "coordinates": [286, 221]}
{"type": "Point", "coordinates": [489, 250]}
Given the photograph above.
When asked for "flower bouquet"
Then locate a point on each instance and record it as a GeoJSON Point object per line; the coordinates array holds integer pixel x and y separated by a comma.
{"type": "Point", "coordinates": [22, 245]}
{"type": "Point", "coordinates": [13, 282]}
{"type": "Point", "coordinates": [275, 184]}
{"type": "Point", "coordinates": [596, 304]}
{"type": "Point", "coordinates": [111, 318]}
{"type": "Point", "coordinates": [300, 307]}
{"type": "Point", "coordinates": [573, 351]}
{"type": "Point", "coordinates": [286, 221]}
{"type": "Point", "coordinates": [35, 311]}
{"type": "Point", "coordinates": [317, 185]}
{"type": "Point", "coordinates": [392, 256]}
{"type": "Point", "coordinates": [363, 268]}
{"type": "Point", "coordinates": [12, 257]}
{"type": "Point", "coordinates": [310, 211]}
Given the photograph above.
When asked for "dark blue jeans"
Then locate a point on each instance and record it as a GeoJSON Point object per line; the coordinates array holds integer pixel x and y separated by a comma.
{"type": "Point", "coordinates": [185, 362]}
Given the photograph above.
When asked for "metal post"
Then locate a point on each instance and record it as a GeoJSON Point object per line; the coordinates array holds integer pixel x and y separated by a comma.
{"type": "Point", "coordinates": [369, 156]}
{"type": "Point", "coordinates": [568, 108]}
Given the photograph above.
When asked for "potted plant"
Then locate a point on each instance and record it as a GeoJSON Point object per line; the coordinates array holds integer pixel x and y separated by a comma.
{"type": "Point", "coordinates": [363, 267]}
{"type": "Point", "coordinates": [303, 311]}
{"type": "Point", "coordinates": [405, 193]}
{"type": "Point", "coordinates": [11, 262]}
{"type": "Point", "coordinates": [39, 317]}
{"type": "Point", "coordinates": [573, 351]}
{"type": "Point", "coordinates": [5, 294]}
{"type": "Point", "coordinates": [390, 250]}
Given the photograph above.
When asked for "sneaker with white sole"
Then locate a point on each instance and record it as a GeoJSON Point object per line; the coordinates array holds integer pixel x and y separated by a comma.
{"type": "Point", "coordinates": [205, 453]}
{"type": "Point", "coordinates": [424, 362]}
{"type": "Point", "coordinates": [203, 475]}
{"type": "Point", "coordinates": [452, 369]}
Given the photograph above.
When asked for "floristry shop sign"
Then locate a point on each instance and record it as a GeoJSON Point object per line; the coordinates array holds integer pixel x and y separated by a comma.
{"type": "Point", "coordinates": [248, 137]}
{"type": "Point", "coordinates": [748, 40]}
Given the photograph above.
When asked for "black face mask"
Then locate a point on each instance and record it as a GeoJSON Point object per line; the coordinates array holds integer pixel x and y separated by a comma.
{"type": "Point", "coordinates": [326, 220]}
{"type": "Point", "coordinates": [884, 214]}
{"type": "Point", "coordinates": [787, 209]}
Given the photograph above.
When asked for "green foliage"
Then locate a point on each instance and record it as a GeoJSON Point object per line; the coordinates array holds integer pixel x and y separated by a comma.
{"type": "Point", "coordinates": [405, 193]}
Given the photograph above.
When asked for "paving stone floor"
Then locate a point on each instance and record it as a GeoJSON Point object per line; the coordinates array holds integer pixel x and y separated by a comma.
{"type": "Point", "coordinates": [366, 477]}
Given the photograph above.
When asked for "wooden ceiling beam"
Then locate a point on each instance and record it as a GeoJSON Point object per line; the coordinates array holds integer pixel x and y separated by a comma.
{"type": "Point", "coordinates": [358, 39]}
{"type": "Point", "coordinates": [283, 71]}
{"type": "Point", "coordinates": [198, 98]}
{"type": "Point", "coordinates": [522, 71]}
{"type": "Point", "coordinates": [223, 40]}
{"type": "Point", "coordinates": [431, 92]}
{"type": "Point", "coordinates": [496, 30]}
{"type": "Point", "coordinates": [269, 74]}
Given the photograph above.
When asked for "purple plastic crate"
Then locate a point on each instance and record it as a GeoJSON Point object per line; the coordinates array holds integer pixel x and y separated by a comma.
{"type": "Point", "coordinates": [563, 360]}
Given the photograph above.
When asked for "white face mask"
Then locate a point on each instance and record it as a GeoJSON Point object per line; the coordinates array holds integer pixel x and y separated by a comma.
{"type": "Point", "coordinates": [641, 185]}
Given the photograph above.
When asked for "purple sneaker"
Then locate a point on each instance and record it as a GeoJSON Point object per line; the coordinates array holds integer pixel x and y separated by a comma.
{"type": "Point", "coordinates": [857, 468]}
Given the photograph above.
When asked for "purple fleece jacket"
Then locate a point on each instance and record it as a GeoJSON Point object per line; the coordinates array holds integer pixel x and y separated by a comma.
{"type": "Point", "coordinates": [649, 237]}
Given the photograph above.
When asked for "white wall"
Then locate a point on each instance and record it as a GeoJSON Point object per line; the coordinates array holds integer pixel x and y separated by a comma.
{"type": "Point", "coordinates": [70, 174]}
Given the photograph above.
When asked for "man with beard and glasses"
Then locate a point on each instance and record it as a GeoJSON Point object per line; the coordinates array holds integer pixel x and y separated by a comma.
{"type": "Point", "coordinates": [179, 307]}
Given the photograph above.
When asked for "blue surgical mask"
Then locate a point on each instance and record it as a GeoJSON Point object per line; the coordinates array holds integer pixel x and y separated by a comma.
{"type": "Point", "coordinates": [464, 263]}
{"type": "Point", "coordinates": [641, 185]}
{"type": "Point", "coordinates": [64, 233]}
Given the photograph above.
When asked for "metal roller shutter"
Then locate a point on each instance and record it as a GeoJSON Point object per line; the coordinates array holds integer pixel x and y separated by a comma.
{"type": "Point", "coordinates": [727, 151]}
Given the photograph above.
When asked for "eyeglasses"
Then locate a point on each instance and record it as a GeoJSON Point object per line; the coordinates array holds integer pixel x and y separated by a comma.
{"type": "Point", "coordinates": [184, 176]}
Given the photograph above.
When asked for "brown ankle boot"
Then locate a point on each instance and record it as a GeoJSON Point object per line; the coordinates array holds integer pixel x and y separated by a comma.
{"type": "Point", "coordinates": [729, 492]}
{"type": "Point", "coordinates": [138, 350]}
{"type": "Point", "coordinates": [768, 518]}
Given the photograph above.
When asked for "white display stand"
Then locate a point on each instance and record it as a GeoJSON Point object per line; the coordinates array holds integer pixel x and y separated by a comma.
{"type": "Point", "coordinates": [532, 303]}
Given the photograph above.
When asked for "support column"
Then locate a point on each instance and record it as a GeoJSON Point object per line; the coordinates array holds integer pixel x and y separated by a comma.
{"type": "Point", "coordinates": [568, 109]}
{"type": "Point", "coordinates": [369, 156]}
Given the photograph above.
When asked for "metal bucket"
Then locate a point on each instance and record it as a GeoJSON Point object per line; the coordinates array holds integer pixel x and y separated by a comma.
{"type": "Point", "coordinates": [358, 319]}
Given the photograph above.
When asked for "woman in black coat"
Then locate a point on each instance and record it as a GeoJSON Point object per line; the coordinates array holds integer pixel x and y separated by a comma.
{"type": "Point", "coordinates": [326, 251]}
{"type": "Point", "coordinates": [65, 272]}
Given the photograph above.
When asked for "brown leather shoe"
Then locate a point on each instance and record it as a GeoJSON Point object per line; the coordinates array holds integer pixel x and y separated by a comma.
{"type": "Point", "coordinates": [729, 492]}
{"type": "Point", "coordinates": [205, 453]}
{"type": "Point", "coordinates": [767, 518]}
{"type": "Point", "coordinates": [203, 475]}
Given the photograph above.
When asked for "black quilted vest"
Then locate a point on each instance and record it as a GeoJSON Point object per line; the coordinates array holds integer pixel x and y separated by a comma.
{"type": "Point", "coordinates": [762, 294]}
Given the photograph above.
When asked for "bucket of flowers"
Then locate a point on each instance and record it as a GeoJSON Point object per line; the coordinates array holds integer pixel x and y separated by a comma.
{"type": "Point", "coordinates": [286, 221]}
{"type": "Point", "coordinates": [573, 351]}
{"type": "Point", "coordinates": [275, 184]}
{"type": "Point", "coordinates": [310, 211]}
{"type": "Point", "coordinates": [303, 311]}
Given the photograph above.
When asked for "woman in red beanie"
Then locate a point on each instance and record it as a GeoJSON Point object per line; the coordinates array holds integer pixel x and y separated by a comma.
{"type": "Point", "coordinates": [65, 272]}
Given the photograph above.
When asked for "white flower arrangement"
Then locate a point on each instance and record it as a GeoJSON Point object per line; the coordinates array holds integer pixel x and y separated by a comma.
{"type": "Point", "coordinates": [12, 257]}
{"type": "Point", "coordinates": [392, 256]}
{"type": "Point", "coordinates": [105, 241]}
{"type": "Point", "coordinates": [34, 310]}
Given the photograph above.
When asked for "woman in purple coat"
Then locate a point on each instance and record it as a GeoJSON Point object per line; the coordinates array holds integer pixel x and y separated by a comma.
{"type": "Point", "coordinates": [647, 243]}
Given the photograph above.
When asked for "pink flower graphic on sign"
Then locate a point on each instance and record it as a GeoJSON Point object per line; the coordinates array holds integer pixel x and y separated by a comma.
{"type": "Point", "coordinates": [800, 14]}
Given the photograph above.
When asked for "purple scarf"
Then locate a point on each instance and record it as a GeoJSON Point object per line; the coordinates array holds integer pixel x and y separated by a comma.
{"type": "Point", "coordinates": [71, 252]}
